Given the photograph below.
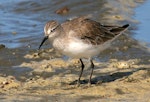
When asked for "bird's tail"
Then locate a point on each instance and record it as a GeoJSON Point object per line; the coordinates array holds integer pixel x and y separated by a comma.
{"type": "Point", "coordinates": [119, 30]}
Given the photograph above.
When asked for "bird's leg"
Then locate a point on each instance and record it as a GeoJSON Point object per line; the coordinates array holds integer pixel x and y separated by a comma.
{"type": "Point", "coordinates": [92, 66]}
{"type": "Point", "coordinates": [82, 67]}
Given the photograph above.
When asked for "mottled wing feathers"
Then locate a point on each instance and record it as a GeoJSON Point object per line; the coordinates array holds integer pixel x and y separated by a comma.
{"type": "Point", "coordinates": [91, 31]}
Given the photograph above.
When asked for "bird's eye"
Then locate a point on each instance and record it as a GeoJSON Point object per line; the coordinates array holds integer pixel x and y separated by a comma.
{"type": "Point", "coordinates": [52, 30]}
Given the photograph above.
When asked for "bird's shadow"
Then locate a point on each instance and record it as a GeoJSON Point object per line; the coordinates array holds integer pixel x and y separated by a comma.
{"type": "Point", "coordinates": [108, 77]}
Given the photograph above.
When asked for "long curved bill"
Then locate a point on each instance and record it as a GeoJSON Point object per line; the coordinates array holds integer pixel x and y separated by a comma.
{"type": "Point", "coordinates": [44, 39]}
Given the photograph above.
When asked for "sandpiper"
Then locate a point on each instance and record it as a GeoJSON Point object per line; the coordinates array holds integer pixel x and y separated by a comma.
{"type": "Point", "coordinates": [81, 38]}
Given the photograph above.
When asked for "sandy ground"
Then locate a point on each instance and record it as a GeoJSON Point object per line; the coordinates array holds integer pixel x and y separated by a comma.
{"type": "Point", "coordinates": [54, 80]}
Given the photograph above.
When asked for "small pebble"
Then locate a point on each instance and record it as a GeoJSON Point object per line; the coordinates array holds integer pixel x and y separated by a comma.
{"type": "Point", "coordinates": [63, 10]}
{"type": "Point", "coordinates": [14, 33]}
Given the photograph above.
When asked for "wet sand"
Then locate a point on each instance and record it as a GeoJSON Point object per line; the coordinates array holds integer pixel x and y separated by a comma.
{"type": "Point", "coordinates": [122, 83]}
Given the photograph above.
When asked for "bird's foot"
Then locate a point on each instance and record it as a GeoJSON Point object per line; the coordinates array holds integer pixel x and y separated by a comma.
{"type": "Point", "coordinates": [78, 83]}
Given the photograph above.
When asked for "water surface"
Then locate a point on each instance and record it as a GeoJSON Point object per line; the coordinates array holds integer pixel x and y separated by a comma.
{"type": "Point", "coordinates": [22, 21]}
{"type": "Point", "coordinates": [142, 15]}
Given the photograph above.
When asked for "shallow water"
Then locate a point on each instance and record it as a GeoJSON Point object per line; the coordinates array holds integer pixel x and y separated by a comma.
{"type": "Point", "coordinates": [22, 21]}
{"type": "Point", "coordinates": [143, 33]}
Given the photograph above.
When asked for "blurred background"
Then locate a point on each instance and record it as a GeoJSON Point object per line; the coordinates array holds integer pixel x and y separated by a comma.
{"type": "Point", "coordinates": [22, 21]}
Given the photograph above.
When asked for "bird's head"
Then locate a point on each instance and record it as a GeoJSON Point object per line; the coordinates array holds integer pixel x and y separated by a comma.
{"type": "Point", "coordinates": [52, 29]}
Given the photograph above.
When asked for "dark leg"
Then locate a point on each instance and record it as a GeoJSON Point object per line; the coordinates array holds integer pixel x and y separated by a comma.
{"type": "Point", "coordinates": [82, 67]}
{"type": "Point", "coordinates": [92, 66]}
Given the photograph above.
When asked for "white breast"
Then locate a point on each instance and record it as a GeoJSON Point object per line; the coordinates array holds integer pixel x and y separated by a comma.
{"type": "Point", "coordinates": [78, 49]}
